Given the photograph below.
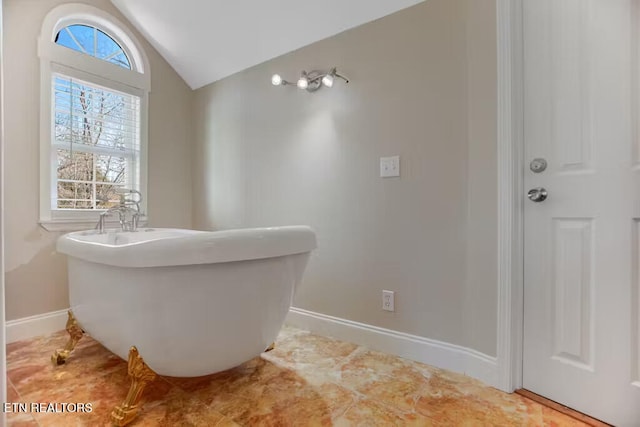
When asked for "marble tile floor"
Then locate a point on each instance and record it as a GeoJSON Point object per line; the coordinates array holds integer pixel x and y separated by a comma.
{"type": "Point", "coordinates": [308, 380]}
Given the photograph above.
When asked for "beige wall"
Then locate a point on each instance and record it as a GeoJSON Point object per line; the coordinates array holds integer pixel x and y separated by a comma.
{"type": "Point", "coordinates": [481, 297]}
{"type": "Point", "coordinates": [423, 87]}
{"type": "Point", "coordinates": [35, 274]}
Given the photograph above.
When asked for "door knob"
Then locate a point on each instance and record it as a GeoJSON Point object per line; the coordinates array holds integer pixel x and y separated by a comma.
{"type": "Point", "coordinates": [537, 194]}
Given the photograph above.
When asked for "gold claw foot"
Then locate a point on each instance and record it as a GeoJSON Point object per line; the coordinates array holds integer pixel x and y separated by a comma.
{"type": "Point", "coordinates": [140, 375]}
{"type": "Point", "coordinates": [271, 347]}
{"type": "Point", "coordinates": [75, 333]}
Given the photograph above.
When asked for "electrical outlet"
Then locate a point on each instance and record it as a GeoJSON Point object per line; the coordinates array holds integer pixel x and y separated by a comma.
{"type": "Point", "coordinates": [388, 301]}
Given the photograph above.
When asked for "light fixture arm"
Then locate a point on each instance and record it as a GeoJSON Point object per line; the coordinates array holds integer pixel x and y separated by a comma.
{"type": "Point", "coordinates": [346, 80]}
{"type": "Point", "coordinates": [311, 81]}
{"type": "Point", "coordinates": [334, 73]}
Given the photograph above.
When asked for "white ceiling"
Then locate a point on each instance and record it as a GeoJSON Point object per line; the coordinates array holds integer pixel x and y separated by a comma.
{"type": "Point", "coordinates": [206, 40]}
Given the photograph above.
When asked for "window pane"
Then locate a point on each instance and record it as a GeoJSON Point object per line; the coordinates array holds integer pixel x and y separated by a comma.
{"type": "Point", "coordinates": [84, 204]}
{"type": "Point", "coordinates": [96, 141]}
{"type": "Point", "coordinates": [75, 166]}
{"type": "Point", "coordinates": [121, 60]}
{"type": "Point", "coordinates": [84, 36]}
{"type": "Point", "coordinates": [64, 39]}
{"type": "Point", "coordinates": [110, 169]}
{"type": "Point", "coordinates": [93, 42]}
{"type": "Point", "coordinates": [62, 127]}
{"type": "Point", "coordinates": [93, 116]}
{"type": "Point", "coordinates": [65, 204]}
{"type": "Point", "coordinates": [106, 196]}
{"type": "Point", "coordinates": [111, 51]}
{"type": "Point", "coordinates": [105, 46]}
{"type": "Point", "coordinates": [76, 195]}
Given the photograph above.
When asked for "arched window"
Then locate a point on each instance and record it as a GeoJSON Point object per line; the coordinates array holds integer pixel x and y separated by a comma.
{"type": "Point", "coordinates": [94, 115]}
{"type": "Point", "coordinates": [93, 42]}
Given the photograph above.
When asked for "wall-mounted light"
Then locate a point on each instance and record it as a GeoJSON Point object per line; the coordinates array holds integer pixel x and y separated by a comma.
{"type": "Point", "coordinates": [276, 80]}
{"type": "Point", "coordinates": [311, 81]}
{"type": "Point", "coordinates": [303, 81]}
{"type": "Point", "coordinates": [327, 80]}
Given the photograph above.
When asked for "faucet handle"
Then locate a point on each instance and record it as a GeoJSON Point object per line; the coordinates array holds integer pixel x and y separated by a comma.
{"type": "Point", "coordinates": [101, 221]}
{"type": "Point", "coordinates": [124, 201]}
{"type": "Point", "coordinates": [134, 221]}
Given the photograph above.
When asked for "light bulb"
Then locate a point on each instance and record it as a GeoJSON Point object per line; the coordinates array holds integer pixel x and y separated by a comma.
{"type": "Point", "coordinates": [276, 80]}
{"type": "Point", "coordinates": [327, 80]}
{"type": "Point", "coordinates": [303, 83]}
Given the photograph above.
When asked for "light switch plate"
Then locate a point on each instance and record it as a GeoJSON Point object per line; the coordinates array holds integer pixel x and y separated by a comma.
{"type": "Point", "coordinates": [389, 166]}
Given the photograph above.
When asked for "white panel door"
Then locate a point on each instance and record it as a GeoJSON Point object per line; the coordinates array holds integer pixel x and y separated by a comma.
{"type": "Point", "coordinates": [582, 244]}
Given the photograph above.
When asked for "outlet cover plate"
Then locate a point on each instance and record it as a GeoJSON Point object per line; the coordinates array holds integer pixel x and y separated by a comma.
{"type": "Point", "coordinates": [388, 303]}
{"type": "Point", "coordinates": [389, 166]}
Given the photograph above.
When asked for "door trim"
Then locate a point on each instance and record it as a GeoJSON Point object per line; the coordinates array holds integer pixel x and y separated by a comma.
{"type": "Point", "coordinates": [510, 192]}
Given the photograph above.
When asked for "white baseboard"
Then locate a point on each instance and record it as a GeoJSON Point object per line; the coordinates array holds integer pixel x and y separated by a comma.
{"type": "Point", "coordinates": [33, 326]}
{"type": "Point", "coordinates": [432, 352]}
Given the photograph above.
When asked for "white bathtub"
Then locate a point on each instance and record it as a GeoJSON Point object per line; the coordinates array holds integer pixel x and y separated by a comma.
{"type": "Point", "coordinates": [192, 302]}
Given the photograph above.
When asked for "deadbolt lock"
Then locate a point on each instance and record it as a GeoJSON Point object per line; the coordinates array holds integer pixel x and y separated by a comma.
{"type": "Point", "coordinates": [538, 165]}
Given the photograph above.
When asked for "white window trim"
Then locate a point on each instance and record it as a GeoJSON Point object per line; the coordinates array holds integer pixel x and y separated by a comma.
{"type": "Point", "coordinates": [56, 58]}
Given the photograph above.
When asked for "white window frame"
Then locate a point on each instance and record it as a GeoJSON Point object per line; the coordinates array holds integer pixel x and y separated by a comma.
{"type": "Point", "coordinates": [59, 59]}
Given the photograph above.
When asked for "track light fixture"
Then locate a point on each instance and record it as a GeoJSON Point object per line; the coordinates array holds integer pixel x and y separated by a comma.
{"type": "Point", "coordinates": [311, 81]}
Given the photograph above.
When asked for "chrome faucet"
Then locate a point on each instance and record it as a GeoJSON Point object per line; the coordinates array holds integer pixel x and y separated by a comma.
{"type": "Point", "coordinates": [123, 209]}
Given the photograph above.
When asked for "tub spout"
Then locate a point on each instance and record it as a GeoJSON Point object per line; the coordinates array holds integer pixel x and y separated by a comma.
{"type": "Point", "coordinates": [122, 211]}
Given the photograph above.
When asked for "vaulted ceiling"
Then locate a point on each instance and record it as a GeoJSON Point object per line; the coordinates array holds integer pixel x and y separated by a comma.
{"type": "Point", "coordinates": [207, 40]}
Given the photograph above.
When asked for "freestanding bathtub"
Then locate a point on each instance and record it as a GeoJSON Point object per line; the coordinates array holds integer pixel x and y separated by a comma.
{"type": "Point", "coordinates": [192, 302]}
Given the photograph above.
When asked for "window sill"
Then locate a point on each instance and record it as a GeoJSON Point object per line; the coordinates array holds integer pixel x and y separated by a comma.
{"type": "Point", "coordinates": [68, 225]}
